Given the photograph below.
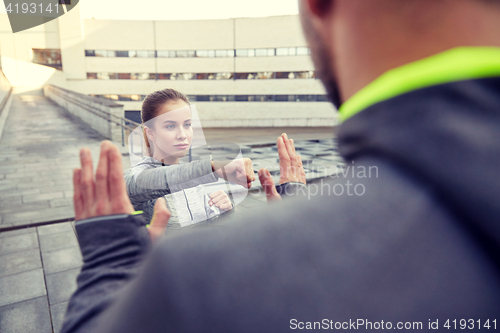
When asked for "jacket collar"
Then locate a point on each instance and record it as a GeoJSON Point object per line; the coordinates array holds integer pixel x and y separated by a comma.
{"type": "Point", "coordinates": [457, 64]}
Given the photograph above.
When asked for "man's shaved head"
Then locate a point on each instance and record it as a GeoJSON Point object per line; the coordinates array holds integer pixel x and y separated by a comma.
{"type": "Point", "coordinates": [355, 41]}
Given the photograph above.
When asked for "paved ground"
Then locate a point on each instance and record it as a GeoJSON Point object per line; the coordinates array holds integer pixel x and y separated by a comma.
{"type": "Point", "coordinates": [38, 150]}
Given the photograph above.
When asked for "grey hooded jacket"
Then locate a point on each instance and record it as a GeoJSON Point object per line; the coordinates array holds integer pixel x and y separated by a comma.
{"type": "Point", "coordinates": [181, 186]}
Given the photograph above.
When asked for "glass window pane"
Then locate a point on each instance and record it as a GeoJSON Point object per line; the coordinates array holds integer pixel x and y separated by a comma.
{"type": "Point", "coordinates": [242, 53]}
{"type": "Point", "coordinates": [100, 53]}
{"type": "Point", "coordinates": [89, 53]}
{"type": "Point", "coordinates": [92, 76]}
{"type": "Point", "coordinates": [271, 52]}
{"type": "Point", "coordinates": [302, 98]}
{"type": "Point", "coordinates": [132, 54]}
{"type": "Point", "coordinates": [113, 97]}
{"type": "Point", "coordinates": [321, 98]}
{"type": "Point", "coordinates": [212, 98]}
{"type": "Point", "coordinates": [282, 51]}
{"type": "Point", "coordinates": [230, 53]}
{"type": "Point", "coordinates": [221, 98]}
{"type": "Point", "coordinates": [281, 98]}
{"type": "Point", "coordinates": [202, 98]}
{"type": "Point", "coordinates": [241, 98]}
{"type": "Point", "coordinates": [230, 98]}
{"type": "Point", "coordinates": [202, 76]}
{"type": "Point", "coordinates": [103, 76]}
{"type": "Point", "coordinates": [162, 54]}
{"type": "Point", "coordinates": [111, 54]}
{"type": "Point", "coordinates": [251, 53]}
{"type": "Point", "coordinates": [202, 53]}
{"type": "Point", "coordinates": [220, 53]}
{"type": "Point", "coordinates": [125, 98]}
{"type": "Point", "coordinates": [211, 53]}
{"type": "Point", "coordinates": [171, 54]}
{"type": "Point", "coordinates": [163, 76]}
{"type": "Point", "coordinates": [264, 75]}
{"type": "Point", "coordinates": [224, 76]}
{"type": "Point", "coordinates": [182, 54]}
{"type": "Point", "coordinates": [261, 52]}
{"type": "Point", "coordinates": [191, 54]}
{"type": "Point", "coordinates": [282, 75]}
{"type": "Point", "coordinates": [122, 54]}
{"type": "Point", "coordinates": [142, 54]}
{"type": "Point", "coordinates": [292, 51]}
{"type": "Point", "coordinates": [302, 51]}
{"type": "Point", "coordinates": [191, 98]}
{"type": "Point", "coordinates": [124, 76]}
{"type": "Point", "coordinates": [241, 76]}
{"type": "Point", "coordinates": [135, 97]}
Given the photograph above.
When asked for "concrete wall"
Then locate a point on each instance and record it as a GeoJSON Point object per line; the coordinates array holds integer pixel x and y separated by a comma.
{"type": "Point", "coordinates": [5, 89]}
{"type": "Point", "coordinates": [101, 115]}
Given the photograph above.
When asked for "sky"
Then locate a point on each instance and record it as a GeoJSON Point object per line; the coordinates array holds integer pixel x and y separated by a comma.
{"type": "Point", "coordinates": [183, 9]}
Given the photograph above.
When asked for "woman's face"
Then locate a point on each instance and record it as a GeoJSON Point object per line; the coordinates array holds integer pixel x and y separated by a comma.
{"type": "Point", "coordinates": [172, 133]}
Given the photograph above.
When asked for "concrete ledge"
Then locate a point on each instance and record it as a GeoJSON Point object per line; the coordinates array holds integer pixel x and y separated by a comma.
{"type": "Point", "coordinates": [104, 116]}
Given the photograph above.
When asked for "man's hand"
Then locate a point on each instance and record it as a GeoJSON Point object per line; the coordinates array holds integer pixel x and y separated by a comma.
{"type": "Point", "coordinates": [291, 168]}
{"type": "Point", "coordinates": [220, 200]}
{"type": "Point", "coordinates": [238, 171]}
{"type": "Point", "coordinates": [160, 219]}
{"type": "Point", "coordinates": [106, 195]}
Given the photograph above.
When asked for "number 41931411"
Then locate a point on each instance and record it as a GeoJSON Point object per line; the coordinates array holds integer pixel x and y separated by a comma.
{"type": "Point", "coordinates": [470, 324]}
{"type": "Point", "coordinates": [30, 7]}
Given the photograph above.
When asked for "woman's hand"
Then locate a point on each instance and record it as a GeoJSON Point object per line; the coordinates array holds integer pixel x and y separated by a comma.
{"type": "Point", "coordinates": [238, 171]}
{"type": "Point", "coordinates": [220, 200]}
{"type": "Point", "coordinates": [291, 168]}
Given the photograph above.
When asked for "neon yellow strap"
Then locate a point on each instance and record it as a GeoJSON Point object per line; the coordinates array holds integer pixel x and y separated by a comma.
{"type": "Point", "coordinates": [458, 64]}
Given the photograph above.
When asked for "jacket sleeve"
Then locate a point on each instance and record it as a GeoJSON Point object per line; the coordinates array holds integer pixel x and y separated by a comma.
{"type": "Point", "coordinates": [112, 248]}
{"type": "Point", "coordinates": [147, 184]}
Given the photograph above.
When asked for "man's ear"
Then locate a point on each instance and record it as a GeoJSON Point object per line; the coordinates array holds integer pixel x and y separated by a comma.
{"type": "Point", "coordinates": [319, 8]}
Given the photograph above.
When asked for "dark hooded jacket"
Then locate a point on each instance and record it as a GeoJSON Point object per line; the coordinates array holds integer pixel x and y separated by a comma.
{"type": "Point", "coordinates": [413, 244]}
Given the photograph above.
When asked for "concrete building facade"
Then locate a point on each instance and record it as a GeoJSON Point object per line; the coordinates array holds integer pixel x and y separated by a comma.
{"type": "Point", "coordinates": [239, 72]}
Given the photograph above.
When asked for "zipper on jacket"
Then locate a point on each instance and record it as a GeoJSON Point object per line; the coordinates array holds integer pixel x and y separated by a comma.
{"type": "Point", "coordinates": [187, 204]}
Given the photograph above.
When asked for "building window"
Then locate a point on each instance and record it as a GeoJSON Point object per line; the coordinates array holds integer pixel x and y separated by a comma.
{"type": "Point", "coordinates": [302, 51]}
{"type": "Point", "coordinates": [203, 76]}
{"type": "Point", "coordinates": [242, 53]}
{"type": "Point", "coordinates": [162, 54]}
{"type": "Point", "coordinates": [123, 76]}
{"type": "Point", "coordinates": [230, 98]}
{"type": "Point", "coordinates": [122, 54]}
{"type": "Point", "coordinates": [163, 76]}
{"type": "Point", "coordinates": [263, 52]}
{"type": "Point", "coordinates": [202, 53]}
{"type": "Point", "coordinates": [48, 57]}
{"type": "Point", "coordinates": [282, 51]}
{"type": "Point", "coordinates": [220, 53]}
{"type": "Point", "coordinates": [100, 53]}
